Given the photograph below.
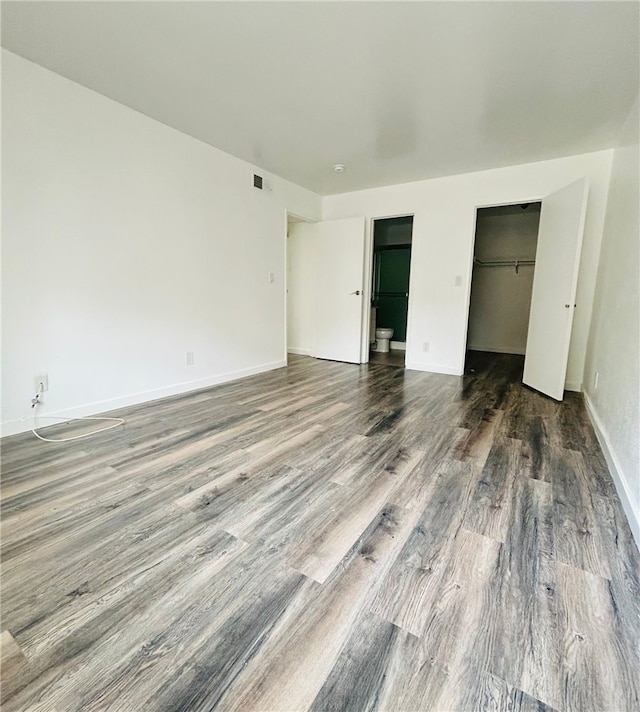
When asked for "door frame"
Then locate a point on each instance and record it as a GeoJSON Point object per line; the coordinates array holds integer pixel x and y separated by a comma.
{"type": "Point", "coordinates": [300, 218]}
{"type": "Point", "coordinates": [368, 272]}
{"type": "Point", "coordinates": [367, 268]}
{"type": "Point", "coordinates": [495, 204]}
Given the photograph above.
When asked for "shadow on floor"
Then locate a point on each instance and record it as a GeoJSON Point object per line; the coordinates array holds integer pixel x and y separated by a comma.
{"type": "Point", "coordinates": [392, 358]}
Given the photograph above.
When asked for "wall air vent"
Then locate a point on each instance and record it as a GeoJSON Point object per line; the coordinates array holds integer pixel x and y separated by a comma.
{"type": "Point", "coordinates": [257, 181]}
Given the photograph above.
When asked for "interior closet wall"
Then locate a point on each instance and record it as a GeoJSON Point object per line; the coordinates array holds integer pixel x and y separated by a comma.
{"type": "Point", "coordinates": [500, 295]}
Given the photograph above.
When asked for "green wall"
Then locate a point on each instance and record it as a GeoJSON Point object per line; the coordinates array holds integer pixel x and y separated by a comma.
{"type": "Point", "coordinates": [391, 289]}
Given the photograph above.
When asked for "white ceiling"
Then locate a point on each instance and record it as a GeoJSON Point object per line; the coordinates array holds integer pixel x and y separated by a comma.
{"type": "Point", "coordinates": [396, 91]}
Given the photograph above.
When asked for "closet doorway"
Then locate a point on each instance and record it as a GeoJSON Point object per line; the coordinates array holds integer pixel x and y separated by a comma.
{"type": "Point", "coordinates": [553, 294]}
{"type": "Point", "coordinates": [502, 279]}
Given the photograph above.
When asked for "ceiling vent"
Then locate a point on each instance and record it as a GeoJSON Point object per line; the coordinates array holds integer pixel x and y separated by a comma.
{"type": "Point", "coordinates": [257, 181]}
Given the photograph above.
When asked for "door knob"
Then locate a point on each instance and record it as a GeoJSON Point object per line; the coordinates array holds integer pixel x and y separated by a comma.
{"type": "Point", "coordinates": [357, 292]}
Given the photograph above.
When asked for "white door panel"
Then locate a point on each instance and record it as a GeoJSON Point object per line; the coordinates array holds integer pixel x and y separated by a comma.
{"type": "Point", "coordinates": [554, 288]}
{"type": "Point", "coordinates": [339, 248]}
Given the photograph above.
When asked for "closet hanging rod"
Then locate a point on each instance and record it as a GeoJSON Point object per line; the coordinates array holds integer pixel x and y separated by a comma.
{"type": "Point", "coordinates": [506, 262]}
{"type": "Point", "coordinates": [516, 264]}
{"type": "Point", "coordinates": [502, 263]}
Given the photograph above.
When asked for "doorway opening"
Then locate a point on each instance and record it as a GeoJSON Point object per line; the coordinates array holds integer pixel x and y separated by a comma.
{"type": "Point", "coordinates": [390, 290]}
{"type": "Point", "coordinates": [506, 241]}
{"type": "Point", "coordinates": [325, 291]}
{"type": "Point", "coordinates": [298, 294]}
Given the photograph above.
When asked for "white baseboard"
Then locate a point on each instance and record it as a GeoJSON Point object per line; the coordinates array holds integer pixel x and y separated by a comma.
{"type": "Point", "coordinates": [298, 352]}
{"type": "Point", "coordinates": [13, 427]}
{"type": "Point", "coordinates": [617, 474]}
{"type": "Point", "coordinates": [497, 349]}
{"type": "Point", "coordinates": [573, 386]}
{"type": "Point", "coordinates": [398, 345]}
{"type": "Point", "coordinates": [432, 368]}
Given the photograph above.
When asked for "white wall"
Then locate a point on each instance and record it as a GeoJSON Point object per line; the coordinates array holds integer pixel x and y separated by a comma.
{"type": "Point", "coordinates": [443, 231]}
{"type": "Point", "coordinates": [501, 296]}
{"type": "Point", "coordinates": [614, 341]}
{"type": "Point", "coordinates": [126, 244]}
{"type": "Point", "coordinates": [301, 279]}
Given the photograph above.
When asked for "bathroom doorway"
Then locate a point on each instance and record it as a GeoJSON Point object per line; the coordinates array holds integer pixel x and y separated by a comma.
{"type": "Point", "coordinates": [502, 278]}
{"type": "Point", "coordinates": [390, 290]}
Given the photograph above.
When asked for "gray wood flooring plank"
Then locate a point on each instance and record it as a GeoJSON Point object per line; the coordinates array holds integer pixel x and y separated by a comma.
{"type": "Point", "coordinates": [369, 667]}
{"type": "Point", "coordinates": [578, 536]}
{"type": "Point", "coordinates": [538, 448]}
{"type": "Point", "coordinates": [449, 655]}
{"type": "Point", "coordinates": [526, 649]}
{"type": "Point", "coordinates": [60, 671]}
{"type": "Point", "coordinates": [421, 480]}
{"type": "Point", "coordinates": [79, 595]}
{"type": "Point", "coordinates": [599, 672]}
{"type": "Point", "coordinates": [479, 441]}
{"type": "Point", "coordinates": [369, 457]}
{"type": "Point", "coordinates": [371, 674]}
{"type": "Point", "coordinates": [12, 659]}
{"type": "Point", "coordinates": [457, 632]}
{"type": "Point", "coordinates": [413, 583]}
{"type": "Point", "coordinates": [624, 565]}
{"type": "Point", "coordinates": [521, 406]}
{"type": "Point", "coordinates": [289, 516]}
{"type": "Point", "coordinates": [498, 696]}
{"type": "Point", "coordinates": [359, 507]}
{"type": "Point", "coordinates": [330, 452]}
{"type": "Point", "coordinates": [264, 458]}
{"type": "Point", "coordinates": [230, 609]}
{"type": "Point", "coordinates": [289, 672]}
{"type": "Point", "coordinates": [348, 537]}
{"type": "Point", "coordinates": [489, 509]}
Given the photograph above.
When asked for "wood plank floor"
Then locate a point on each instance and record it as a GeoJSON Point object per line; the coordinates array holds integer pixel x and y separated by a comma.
{"type": "Point", "coordinates": [394, 357]}
{"type": "Point", "coordinates": [322, 537]}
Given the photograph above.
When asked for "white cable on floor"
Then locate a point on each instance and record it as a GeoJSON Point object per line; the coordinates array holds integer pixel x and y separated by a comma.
{"type": "Point", "coordinates": [36, 402]}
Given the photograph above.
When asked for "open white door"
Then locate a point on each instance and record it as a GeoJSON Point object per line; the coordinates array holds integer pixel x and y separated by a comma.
{"type": "Point", "coordinates": [339, 257]}
{"type": "Point", "coordinates": [554, 288]}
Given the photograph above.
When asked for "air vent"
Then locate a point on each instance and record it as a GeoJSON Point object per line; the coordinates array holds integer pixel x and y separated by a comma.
{"type": "Point", "coordinates": [257, 181]}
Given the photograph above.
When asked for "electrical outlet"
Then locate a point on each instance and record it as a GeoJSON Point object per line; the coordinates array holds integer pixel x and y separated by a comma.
{"type": "Point", "coordinates": [272, 277]}
{"type": "Point", "coordinates": [595, 379]}
{"type": "Point", "coordinates": [41, 383]}
{"type": "Point", "coordinates": [425, 347]}
{"type": "Point", "coordinates": [190, 360]}
{"type": "Point", "coordinates": [458, 280]}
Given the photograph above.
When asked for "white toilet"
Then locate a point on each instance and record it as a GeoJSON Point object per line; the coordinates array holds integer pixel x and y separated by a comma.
{"type": "Point", "coordinates": [383, 336]}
